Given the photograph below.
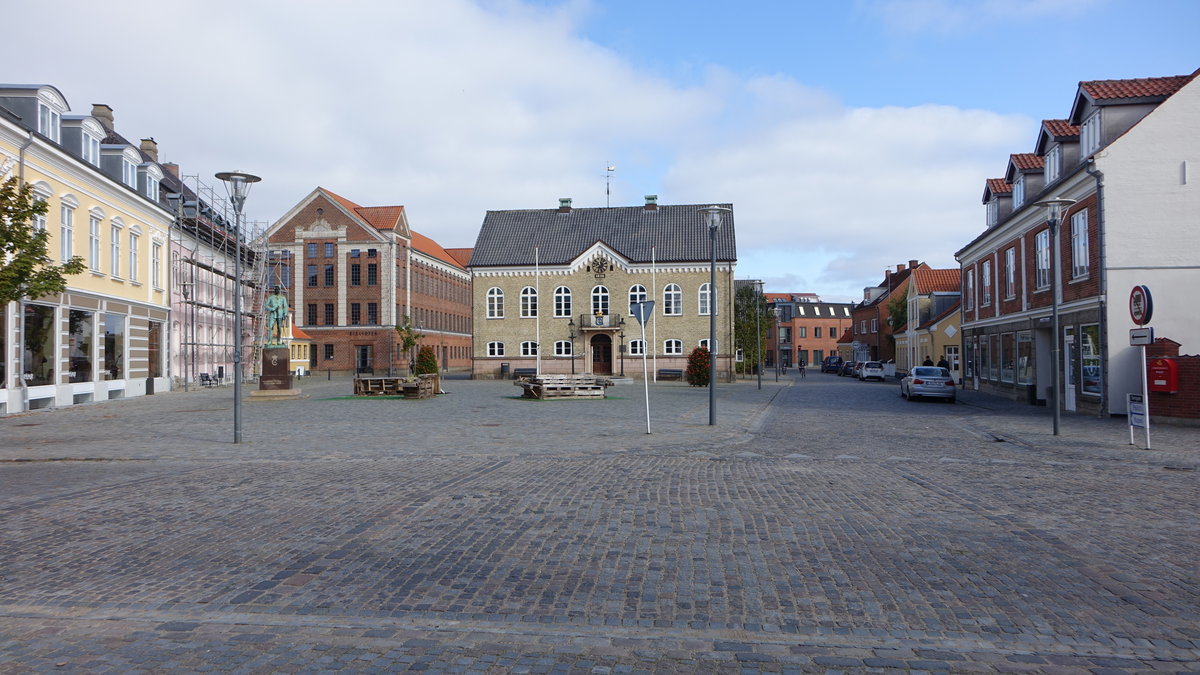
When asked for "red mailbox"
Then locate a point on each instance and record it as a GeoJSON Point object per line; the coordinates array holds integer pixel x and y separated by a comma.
{"type": "Point", "coordinates": [1163, 375]}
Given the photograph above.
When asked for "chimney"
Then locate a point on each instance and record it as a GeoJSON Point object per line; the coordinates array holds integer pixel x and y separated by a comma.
{"type": "Point", "coordinates": [171, 168]}
{"type": "Point", "coordinates": [564, 205]}
{"type": "Point", "coordinates": [887, 277]}
{"type": "Point", "coordinates": [912, 264]}
{"type": "Point", "coordinates": [651, 203]}
{"type": "Point", "coordinates": [103, 113]}
{"type": "Point", "coordinates": [150, 147]}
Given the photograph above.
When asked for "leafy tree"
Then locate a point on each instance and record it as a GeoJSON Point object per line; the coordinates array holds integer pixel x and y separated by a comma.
{"type": "Point", "coordinates": [408, 334]}
{"type": "Point", "coordinates": [698, 367]}
{"type": "Point", "coordinates": [897, 309]}
{"type": "Point", "coordinates": [26, 269]}
{"type": "Point", "coordinates": [426, 362]}
{"type": "Point", "coordinates": [751, 316]}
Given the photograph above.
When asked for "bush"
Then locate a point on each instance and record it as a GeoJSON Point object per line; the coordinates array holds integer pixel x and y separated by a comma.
{"type": "Point", "coordinates": [426, 362]}
{"type": "Point", "coordinates": [698, 367]}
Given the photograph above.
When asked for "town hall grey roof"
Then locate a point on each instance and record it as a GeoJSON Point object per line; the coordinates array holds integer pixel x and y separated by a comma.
{"type": "Point", "coordinates": [507, 238]}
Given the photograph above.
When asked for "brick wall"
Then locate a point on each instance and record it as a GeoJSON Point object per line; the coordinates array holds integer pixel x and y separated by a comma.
{"type": "Point", "coordinates": [1184, 404]}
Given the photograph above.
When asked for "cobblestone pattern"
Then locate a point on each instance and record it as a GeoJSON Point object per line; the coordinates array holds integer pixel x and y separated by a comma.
{"type": "Point", "coordinates": [827, 526]}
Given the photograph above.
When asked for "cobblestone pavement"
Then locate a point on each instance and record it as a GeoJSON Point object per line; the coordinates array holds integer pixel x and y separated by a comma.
{"type": "Point", "coordinates": [824, 525]}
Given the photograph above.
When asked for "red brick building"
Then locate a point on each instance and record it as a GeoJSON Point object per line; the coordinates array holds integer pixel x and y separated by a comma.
{"type": "Point", "coordinates": [872, 331]}
{"type": "Point", "coordinates": [807, 329]}
{"type": "Point", "coordinates": [353, 273]}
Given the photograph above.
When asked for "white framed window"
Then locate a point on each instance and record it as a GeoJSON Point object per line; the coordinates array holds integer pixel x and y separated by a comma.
{"type": "Point", "coordinates": [129, 172]}
{"type": "Point", "coordinates": [133, 256]}
{"type": "Point", "coordinates": [1018, 193]}
{"type": "Point", "coordinates": [49, 122]}
{"type": "Point", "coordinates": [704, 343]}
{"type": "Point", "coordinates": [150, 175]}
{"type": "Point", "coordinates": [156, 264]}
{"type": "Point", "coordinates": [1010, 273]}
{"type": "Point", "coordinates": [529, 348]}
{"type": "Point", "coordinates": [562, 301]}
{"type": "Point", "coordinates": [39, 222]}
{"type": "Point", "coordinates": [114, 249]}
{"type": "Point", "coordinates": [970, 288]}
{"type": "Point", "coordinates": [495, 349]}
{"type": "Point", "coordinates": [637, 347]}
{"type": "Point", "coordinates": [875, 325]}
{"type": "Point", "coordinates": [739, 356]}
{"type": "Point", "coordinates": [672, 300]}
{"type": "Point", "coordinates": [1041, 254]}
{"type": "Point", "coordinates": [90, 150]}
{"type": "Point", "coordinates": [986, 278]}
{"type": "Point", "coordinates": [1053, 163]}
{"type": "Point", "coordinates": [529, 303]}
{"type": "Point", "coordinates": [673, 347]}
{"type": "Point", "coordinates": [66, 232]}
{"type": "Point", "coordinates": [600, 300]}
{"type": "Point", "coordinates": [495, 307]}
{"type": "Point", "coordinates": [705, 299]}
{"type": "Point", "coordinates": [637, 293]}
{"type": "Point", "coordinates": [993, 212]}
{"type": "Point", "coordinates": [1080, 264]}
{"type": "Point", "coordinates": [94, 242]}
{"type": "Point", "coordinates": [563, 348]}
{"type": "Point", "coordinates": [1089, 135]}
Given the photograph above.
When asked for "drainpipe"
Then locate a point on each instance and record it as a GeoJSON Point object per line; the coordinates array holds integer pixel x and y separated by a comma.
{"type": "Point", "coordinates": [20, 306]}
{"type": "Point", "coordinates": [1103, 290]}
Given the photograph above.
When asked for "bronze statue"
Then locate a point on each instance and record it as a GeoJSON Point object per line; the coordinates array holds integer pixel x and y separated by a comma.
{"type": "Point", "coordinates": [277, 315]}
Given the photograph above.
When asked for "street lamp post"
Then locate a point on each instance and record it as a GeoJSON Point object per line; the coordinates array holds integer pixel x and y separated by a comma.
{"type": "Point", "coordinates": [775, 314]}
{"type": "Point", "coordinates": [758, 285]}
{"type": "Point", "coordinates": [712, 216]}
{"type": "Point", "coordinates": [574, 334]}
{"type": "Point", "coordinates": [237, 184]}
{"type": "Point", "coordinates": [622, 335]}
{"type": "Point", "coordinates": [1054, 211]}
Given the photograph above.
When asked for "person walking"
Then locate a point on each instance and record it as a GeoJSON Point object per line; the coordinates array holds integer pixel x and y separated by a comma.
{"type": "Point", "coordinates": [943, 363]}
{"type": "Point", "coordinates": [928, 361]}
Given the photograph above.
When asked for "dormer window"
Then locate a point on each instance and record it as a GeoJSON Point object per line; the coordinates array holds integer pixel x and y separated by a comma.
{"type": "Point", "coordinates": [993, 212]}
{"type": "Point", "coordinates": [149, 176]}
{"type": "Point", "coordinates": [129, 172]}
{"type": "Point", "coordinates": [1089, 135]}
{"type": "Point", "coordinates": [49, 122]}
{"type": "Point", "coordinates": [90, 148]}
{"type": "Point", "coordinates": [1018, 191]}
{"type": "Point", "coordinates": [1053, 164]}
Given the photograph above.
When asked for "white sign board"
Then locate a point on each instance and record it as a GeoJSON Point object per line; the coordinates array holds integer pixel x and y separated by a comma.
{"type": "Point", "coordinates": [1139, 337]}
{"type": "Point", "coordinates": [1137, 410]}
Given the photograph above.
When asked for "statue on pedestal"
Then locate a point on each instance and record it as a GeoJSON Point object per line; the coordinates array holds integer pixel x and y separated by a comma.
{"type": "Point", "coordinates": [277, 315]}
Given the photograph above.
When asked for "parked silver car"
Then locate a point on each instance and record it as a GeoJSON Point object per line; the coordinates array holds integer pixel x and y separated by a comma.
{"type": "Point", "coordinates": [928, 381]}
{"type": "Point", "coordinates": [871, 370]}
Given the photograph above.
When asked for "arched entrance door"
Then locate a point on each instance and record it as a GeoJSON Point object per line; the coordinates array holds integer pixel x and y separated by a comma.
{"type": "Point", "coordinates": [601, 354]}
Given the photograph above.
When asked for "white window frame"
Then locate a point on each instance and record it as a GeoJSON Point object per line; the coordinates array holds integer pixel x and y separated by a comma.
{"type": "Point", "coordinates": [704, 343]}
{"type": "Point", "coordinates": [637, 293]}
{"type": "Point", "coordinates": [114, 248]}
{"type": "Point", "coordinates": [495, 348]}
{"type": "Point", "coordinates": [600, 298]}
{"type": "Point", "coordinates": [970, 290]}
{"type": "Point", "coordinates": [1089, 135]}
{"type": "Point", "coordinates": [94, 241]}
{"type": "Point", "coordinates": [90, 148]}
{"type": "Point", "coordinates": [875, 325]}
{"type": "Point", "coordinates": [529, 348]}
{"type": "Point", "coordinates": [673, 347]}
{"type": "Point", "coordinates": [1041, 248]}
{"type": "Point", "coordinates": [1010, 273]}
{"type": "Point", "coordinates": [529, 303]}
{"type": "Point", "coordinates": [66, 231]}
{"type": "Point", "coordinates": [1053, 162]}
{"type": "Point", "coordinates": [703, 299]}
{"type": "Point", "coordinates": [129, 171]}
{"type": "Point", "coordinates": [1018, 191]}
{"type": "Point", "coordinates": [495, 304]}
{"type": "Point", "coordinates": [637, 347]}
{"type": "Point", "coordinates": [672, 300]}
{"type": "Point", "coordinates": [985, 277]}
{"type": "Point", "coordinates": [49, 122]}
{"type": "Point", "coordinates": [1080, 261]}
{"type": "Point", "coordinates": [993, 212]}
{"type": "Point", "coordinates": [133, 256]}
{"type": "Point", "coordinates": [156, 264]}
{"type": "Point", "coordinates": [562, 301]}
{"type": "Point", "coordinates": [563, 348]}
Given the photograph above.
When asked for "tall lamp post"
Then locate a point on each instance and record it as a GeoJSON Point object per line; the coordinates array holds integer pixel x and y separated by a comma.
{"type": "Point", "coordinates": [758, 285]}
{"type": "Point", "coordinates": [622, 336]}
{"type": "Point", "coordinates": [1054, 211]}
{"type": "Point", "coordinates": [712, 216]}
{"type": "Point", "coordinates": [776, 311]}
{"type": "Point", "coordinates": [237, 184]}
{"type": "Point", "coordinates": [574, 334]}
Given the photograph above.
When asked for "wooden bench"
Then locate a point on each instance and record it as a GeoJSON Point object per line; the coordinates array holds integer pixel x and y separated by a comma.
{"type": "Point", "coordinates": [424, 386]}
{"type": "Point", "coordinates": [518, 373]}
{"type": "Point", "coordinates": [563, 386]}
{"type": "Point", "coordinates": [670, 374]}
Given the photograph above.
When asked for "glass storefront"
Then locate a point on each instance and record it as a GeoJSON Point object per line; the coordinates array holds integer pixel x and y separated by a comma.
{"type": "Point", "coordinates": [114, 346]}
{"type": "Point", "coordinates": [1025, 365]}
{"type": "Point", "coordinates": [1007, 358]}
{"type": "Point", "coordinates": [154, 349]}
{"type": "Point", "coordinates": [80, 342]}
{"type": "Point", "coordinates": [1091, 373]}
{"type": "Point", "coordinates": [37, 355]}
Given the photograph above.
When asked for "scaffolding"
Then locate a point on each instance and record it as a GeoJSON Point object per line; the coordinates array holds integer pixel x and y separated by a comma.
{"type": "Point", "coordinates": [204, 246]}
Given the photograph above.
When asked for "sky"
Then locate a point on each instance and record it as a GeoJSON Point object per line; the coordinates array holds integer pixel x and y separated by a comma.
{"type": "Point", "coordinates": [850, 136]}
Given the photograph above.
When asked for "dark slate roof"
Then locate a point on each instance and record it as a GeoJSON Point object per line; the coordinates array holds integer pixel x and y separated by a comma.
{"type": "Point", "coordinates": [507, 238]}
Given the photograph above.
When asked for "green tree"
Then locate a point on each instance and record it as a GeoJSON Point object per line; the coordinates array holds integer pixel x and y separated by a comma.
{"type": "Point", "coordinates": [751, 320]}
{"type": "Point", "coordinates": [897, 308]}
{"type": "Point", "coordinates": [426, 361]}
{"type": "Point", "coordinates": [26, 269]}
{"type": "Point", "coordinates": [409, 336]}
{"type": "Point", "coordinates": [698, 367]}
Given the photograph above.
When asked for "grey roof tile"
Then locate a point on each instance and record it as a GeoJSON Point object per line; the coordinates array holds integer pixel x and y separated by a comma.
{"type": "Point", "coordinates": [508, 238]}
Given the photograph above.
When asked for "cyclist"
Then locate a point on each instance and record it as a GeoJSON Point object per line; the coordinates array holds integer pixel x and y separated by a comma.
{"type": "Point", "coordinates": [802, 369]}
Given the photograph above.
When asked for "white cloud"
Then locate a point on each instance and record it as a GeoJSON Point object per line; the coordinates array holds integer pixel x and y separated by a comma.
{"type": "Point", "coordinates": [949, 17]}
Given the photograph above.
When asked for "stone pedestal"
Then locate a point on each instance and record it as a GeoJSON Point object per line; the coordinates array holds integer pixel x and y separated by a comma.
{"type": "Point", "coordinates": [275, 382]}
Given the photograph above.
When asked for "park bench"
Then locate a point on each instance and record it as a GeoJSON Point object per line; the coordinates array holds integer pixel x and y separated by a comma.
{"type": "Point", "coordinates": [563, 386]}
{"type": "Point", "coordinates": [207, 380]}
{"type": "Point", "coordinates": [423, 386]}
{"type": "Point", "coordinates": [670, 374]}
{"type": "Point", "coordinates": [518, 373]}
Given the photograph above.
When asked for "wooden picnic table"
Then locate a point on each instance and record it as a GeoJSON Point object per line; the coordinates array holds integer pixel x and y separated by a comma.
{"type": "Point", "coordinates": [563, 386]}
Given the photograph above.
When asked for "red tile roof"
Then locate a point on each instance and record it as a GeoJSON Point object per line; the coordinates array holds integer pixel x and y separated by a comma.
{"type": "Point", "coordinates": [999, 186]}
{"type": "Point", "coordinates": [778, 297]}
{"type": "Point", "coordinates": [847, 337]}
{"type": "Point", "coordinates": [1026, 160]}
{"type": "Point", "coordinates": [433, 249]}
{"type": "Point", "coordinates": [937, 281]}
{"type": "Point", "coordinates": [298, 334]}
{"type": "Point", "coordinates": [462, 255]}
{"type": "Point", "coordinates": [381, 217]}
{"type": "Point", "coordinates": [386, 218]}
{"type": "Point", "coordinates": [1059, 129]}
{"type": "Point", "coordinates": [1148, 87]}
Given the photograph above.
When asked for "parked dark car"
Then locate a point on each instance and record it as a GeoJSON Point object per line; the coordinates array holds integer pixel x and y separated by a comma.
{"type": "Point", "coordinates": [847, 369]}
{"type": "Point", "coordinates": [831, 364]}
